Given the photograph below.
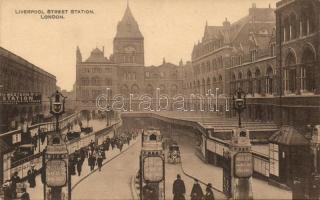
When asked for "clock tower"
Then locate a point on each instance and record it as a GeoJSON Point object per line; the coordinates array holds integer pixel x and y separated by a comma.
{"type": "Point", "coordinates": [128, 44]}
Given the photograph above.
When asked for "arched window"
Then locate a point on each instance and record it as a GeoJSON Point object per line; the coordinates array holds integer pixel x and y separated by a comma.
{"type": "Point", "coordinates": [269, 79]}
{"type": "Point", "coordinates": [250, 82]}
{"type": "Point", "coordinates": [149, 89]}
{"type": "Point", "coordinates": [286, 31]}
{"type": "Point", "coordinates": [203, 87]}
{"type": "Point", "coordinates": [240, 83]}
{"type": "Point", "coordinates": [174, 89]}
{"type": "Point", "coordinates": [293, 28]}
{"type": "Point", "coordinates": [308, 20]}
{"type": "Point", "coordinates": [233, 83]}
{"type": "Point", "coordinates": [290, 74]}
{"type": "Point", "coordinates": [258, 81]}
{"type": "Point", "coordinates": [124, 90]}
{"type": "Point", "coordinates": [208, 84]}
{"type": "Point", "coordinates": [308, 70]}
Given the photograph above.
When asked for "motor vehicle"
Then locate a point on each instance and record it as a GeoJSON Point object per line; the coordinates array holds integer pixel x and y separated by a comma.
{"type": "Point", "coordinates": [87, 129]}
{"type": "Point", "coordinates": [22, 151]}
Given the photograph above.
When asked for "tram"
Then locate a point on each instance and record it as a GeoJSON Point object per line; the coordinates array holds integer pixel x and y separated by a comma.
{"type": "Point", "coordinates": [152, 166]}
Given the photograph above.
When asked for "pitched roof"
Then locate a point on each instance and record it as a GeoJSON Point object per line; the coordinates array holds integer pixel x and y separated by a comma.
{"type": "Point", "coordinates": [287, 135]}
{"type": "Point", "coordinates": [128, 26]}
{"type": "Point", "coordinates": [97, 56]}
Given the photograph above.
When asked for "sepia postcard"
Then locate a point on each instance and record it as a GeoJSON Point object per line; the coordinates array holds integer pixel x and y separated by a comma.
{"type": "Point", "coordinates": [159, 99]}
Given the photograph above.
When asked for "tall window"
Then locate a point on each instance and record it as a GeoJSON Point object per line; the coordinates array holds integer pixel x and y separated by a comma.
{"type": "Point", "coordinates": [258, 81]}
{"type": "Point", "coordinates": [253, 55]}
{"type": "Point", "coordinates": [290, 73]}
{"type": "Point", "coordinates": [273, 49]}
{"type": "Point", "coordinates": [269, 81]}
{"type": "Point", "coordinates": [307, 70]}
{"type": "Point", "coordinates": [250, 82]}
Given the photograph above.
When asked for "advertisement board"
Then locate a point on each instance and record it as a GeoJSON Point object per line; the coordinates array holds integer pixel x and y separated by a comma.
{"type": "Point", "coordinates": [153, 169]}
{"type": "Point", "coordinates": [243, 166]}
{"type": "Point", "coordinates": [20, 98]}
{"type": "Point", "coordinates": [56, 173]}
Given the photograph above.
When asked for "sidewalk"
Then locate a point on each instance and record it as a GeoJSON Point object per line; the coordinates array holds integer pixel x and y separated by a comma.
{"type": "Point", "coordinates": [37, 192]}
{"type": "Point", "coordinates": [194, 166]}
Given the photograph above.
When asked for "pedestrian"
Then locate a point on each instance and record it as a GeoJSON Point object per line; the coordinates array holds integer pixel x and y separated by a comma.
{"type": "Point", "coordinates": [25, 194]}
{"type": "Point", "coordinates": [209, 193]}
{"type": "Point", "coordinates": [82, 155]}
{"type": "Point", "coordinates": [103, 153]}
{"type": "Point", "coordinates": [72, 165]}
{"type": "Point", "coordinates": [178, 189]}
{"type": "Point", "coordinates": [196, 192]}
{"type": "Point", "coordinates": [79, 166]}
{"type": "Point", "coordinates": [112, 142]}
{"type": "Point", "coordinates": [120, 145]}
{"type": "Point", "coordinates": [32, 176]}
{"type": "Point", "coordinates": [107, 143]}
{"type": "Point", "coordinates": [14, 180]}
{"type": "Point", "coordinates": [99, 160]}
{"type": "Point", "coordinates": [7, 190]}
{"type": "Point", "coordinates": [93, 160]}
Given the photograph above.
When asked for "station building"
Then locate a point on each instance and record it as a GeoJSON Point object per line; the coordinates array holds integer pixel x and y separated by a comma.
{"type": "Point", "coordinates": [124, 71]}
{"type": "Point", "coordinates": [24, 89]}
{"type": "Point", "coordinates": [272, 54]}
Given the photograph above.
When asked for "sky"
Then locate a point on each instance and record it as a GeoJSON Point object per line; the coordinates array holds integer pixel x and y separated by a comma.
{"type": "Point", "coordinates": [170, 29]}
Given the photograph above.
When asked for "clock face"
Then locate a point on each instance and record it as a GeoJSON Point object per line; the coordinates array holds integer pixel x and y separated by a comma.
{"type": "Point", "coordinates": [129, 49]}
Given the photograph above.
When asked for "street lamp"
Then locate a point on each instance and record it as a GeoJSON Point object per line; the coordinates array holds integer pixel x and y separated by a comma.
{"type": "Point", "coordinates": [57, 102]}
{"type": "Point", "coordinates": [55, 158]}
{"type": "Point", "coordinates": [239, 102]}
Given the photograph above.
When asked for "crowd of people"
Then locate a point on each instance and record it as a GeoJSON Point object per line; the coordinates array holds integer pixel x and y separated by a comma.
{"type": "Point", "coordinates": [179, 190]}
{"type": "Point", "coordinates": [10, 186]}
{"type": "Point", "coordinates": [93, 153]}
{"type": "Point", "coordinates": [96, 154]}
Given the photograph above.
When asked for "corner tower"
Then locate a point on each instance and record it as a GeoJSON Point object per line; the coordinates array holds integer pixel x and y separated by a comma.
{"type": "Point", "coordinates": [128, 44]}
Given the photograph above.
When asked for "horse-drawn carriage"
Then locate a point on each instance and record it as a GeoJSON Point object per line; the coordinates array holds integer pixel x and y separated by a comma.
{"type": "Point", "coordinates": [174, 154]}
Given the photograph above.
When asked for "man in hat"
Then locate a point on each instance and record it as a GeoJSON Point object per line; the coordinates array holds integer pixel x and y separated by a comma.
{"type": "Point", "coordinates": [209, 193]}
{"type": "Point", "coordinates": [32, 176]}
{"type": "Point", "coordinates": [14, 180]}
{"type": "Point", "coordinates": [196, 192]}
{"type": "Point", "coordinates": [178, 189]}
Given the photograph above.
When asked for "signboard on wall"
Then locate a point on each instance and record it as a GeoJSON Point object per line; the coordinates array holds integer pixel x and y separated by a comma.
{"type": "Point", "coordinates": [56, 173]}
{"type": "Point", "coordinates": [20, 98]}
{"type": "Point", "coordinates": [153, 169]}
{"type": "Point", "coordinates": [243, 166]}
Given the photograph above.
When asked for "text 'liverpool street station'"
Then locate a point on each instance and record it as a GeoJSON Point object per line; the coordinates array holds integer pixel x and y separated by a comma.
{"type": "Point", "coordinates": [239, 120]}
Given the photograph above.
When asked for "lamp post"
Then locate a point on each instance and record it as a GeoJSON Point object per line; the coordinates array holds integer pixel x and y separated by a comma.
{"type": "Point", "coordinates": [239, 103]}
{"type": "Point", "coordinates": [241, 168]}
{"type": "Point", "coordinates": [56, 156]}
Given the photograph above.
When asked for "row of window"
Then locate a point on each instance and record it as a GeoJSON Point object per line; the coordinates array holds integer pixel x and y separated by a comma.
{"type": "Point", "coordinates": [294, 27]}
{"type": "Point", "coordinates": [96, 81]}
{"type": "Point", "coordinates": [208, 66]}
{"type": "Point", "coordinates": [96, 70]}
{"type": "Point", "coordinates": [129, 76]}
{"type": "Point", "coordinates": [207, 48]}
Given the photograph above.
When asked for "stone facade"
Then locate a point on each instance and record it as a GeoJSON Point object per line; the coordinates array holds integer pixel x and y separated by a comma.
{"type": "Point", "coordinates": [17, 75]}
{"type": "Point", "coordinates": [124, 72]}
{"type": "Point", "coordinates": [272, 57]}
